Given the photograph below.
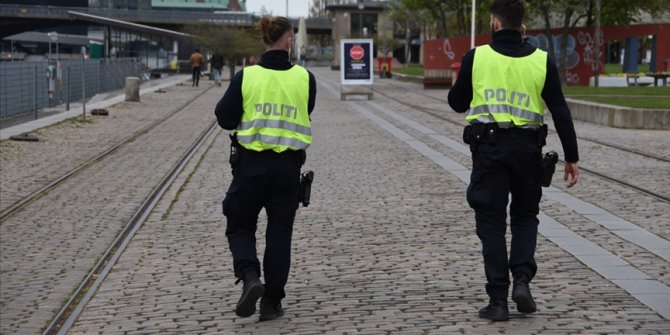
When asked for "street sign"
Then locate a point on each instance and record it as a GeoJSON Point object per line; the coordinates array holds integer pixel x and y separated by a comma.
{"type": "Point", "coordinates": [356, 61]}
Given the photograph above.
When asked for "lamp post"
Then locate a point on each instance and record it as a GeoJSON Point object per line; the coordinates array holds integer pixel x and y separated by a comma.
{"type": "Point", "coordinates": [53, 37]}
{"type": "Point", "coordinates": [360, 17]}
{"type": "Point", "coordinates": [472, 25]}
{"type": "Point", "coordinates": [49, 37]}
{"type": "Point", "coordinates": [596, 81]}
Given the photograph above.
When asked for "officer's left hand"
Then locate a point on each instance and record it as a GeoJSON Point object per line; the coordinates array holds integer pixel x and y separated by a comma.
{"type": "Point", "coordinates": [572, 171]}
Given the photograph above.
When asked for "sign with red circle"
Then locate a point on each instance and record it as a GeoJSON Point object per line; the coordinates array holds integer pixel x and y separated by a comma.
{"type": "Point", "coordinates": [357, 52]}
{"type": "Point", "coordinates": [356, 61]}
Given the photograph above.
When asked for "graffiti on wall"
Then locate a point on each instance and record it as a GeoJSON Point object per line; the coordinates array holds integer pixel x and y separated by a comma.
{"type": "Point", "coordinates": [586, 45]}
{"type": "Point", "coordinates": [447, 49]}
{"type": "Point", "coordinates": [581, 57]}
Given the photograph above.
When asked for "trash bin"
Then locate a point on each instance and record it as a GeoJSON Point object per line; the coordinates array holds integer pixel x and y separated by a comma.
{"type": "Point", "coordinates": [384, 66]}
{"type": "Point", "coordinates": [455, 68]}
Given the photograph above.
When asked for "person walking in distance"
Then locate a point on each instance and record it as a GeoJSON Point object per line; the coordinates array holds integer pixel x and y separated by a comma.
{"type": "Point", "coordinates": [269, 106]}
{"type": "Point", "coordinates": [196, 61]}
{"type": "Point", "coordinates": [501, 85]}
{"type": "Point", "coordinates": [217, 66]}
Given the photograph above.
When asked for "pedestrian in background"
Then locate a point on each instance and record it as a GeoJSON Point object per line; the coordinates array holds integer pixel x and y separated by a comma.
{"type": "Point", "coordinates": [217, 66]}
{"type": "Point", "coordinates": [269, 106]}
{"type": "Point", "coordinates": [501, 85]}
{"type": "Point", "coordinates": [196, 61]}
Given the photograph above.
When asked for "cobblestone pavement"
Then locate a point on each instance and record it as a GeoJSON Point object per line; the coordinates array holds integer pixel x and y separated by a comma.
{"type": "Point", "coordinates": [386, 247]}
{"type": "Point", "coordinates": [47, 248]}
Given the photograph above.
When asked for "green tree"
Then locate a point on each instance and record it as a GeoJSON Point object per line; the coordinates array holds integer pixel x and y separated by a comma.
{"type": "Point", "coordinates": [233, 43]}
{"type": "Point", "coordinates": [434, 11]}
{"type": "Point", "coordinates": [621, 12]}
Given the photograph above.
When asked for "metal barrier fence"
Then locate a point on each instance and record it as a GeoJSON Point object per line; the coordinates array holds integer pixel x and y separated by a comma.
{"type": "Point", "coordinates": [24, 86]}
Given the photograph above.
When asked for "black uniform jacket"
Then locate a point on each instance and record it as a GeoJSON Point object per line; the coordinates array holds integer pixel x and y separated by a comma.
{"type": "Point", "coordinates": [510, 43]}
{"type": "Point", "coordinates": [229, 109]}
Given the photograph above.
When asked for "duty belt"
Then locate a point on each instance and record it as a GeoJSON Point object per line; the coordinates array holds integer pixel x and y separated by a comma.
{"type": "Point", "coordinates": [288, 154]}
{"type": "Point", "coordinates": [480, 133]}
{"type": "Point", "coordinates": [237, 151]}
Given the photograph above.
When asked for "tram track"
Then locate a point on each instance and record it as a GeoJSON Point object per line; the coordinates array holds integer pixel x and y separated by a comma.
{"type": "Point", "coordinates": [69, 231]}
{"type": "Point", "coordinates": [437, 114]}
{"type": "Point", "coordinates": [69, 312]}
{"type": "Point", "coordinates": [33, 196]}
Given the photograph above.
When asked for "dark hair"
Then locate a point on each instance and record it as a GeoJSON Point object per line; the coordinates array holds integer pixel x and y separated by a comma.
{"type": "Point", "coordinates": [273, 28]}
{"type": "Point", "coordinates": [509, 12]}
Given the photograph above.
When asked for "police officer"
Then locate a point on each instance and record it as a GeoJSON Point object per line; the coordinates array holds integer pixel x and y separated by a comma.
{"type": "Point", "coordinates": [501, 85]}
{"type": "Point", "coordinates": [268, 105]}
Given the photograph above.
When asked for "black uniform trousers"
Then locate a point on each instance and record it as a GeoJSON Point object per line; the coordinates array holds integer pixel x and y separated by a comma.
{"type": "Point", "coordinates": [272, 181]}
{"type": "Point", "coordinates": [511, 164]}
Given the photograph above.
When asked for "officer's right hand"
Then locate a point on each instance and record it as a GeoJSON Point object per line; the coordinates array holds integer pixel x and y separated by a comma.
{"type": "Point", "coordinates": [572, 171]}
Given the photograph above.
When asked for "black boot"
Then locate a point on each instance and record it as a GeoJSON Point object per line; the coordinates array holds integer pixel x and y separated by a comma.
{"type": "Point", "coordinates": [496, 311]}
{"type": "Point", "coordinates": [522, 297]}
{"type": "Point", "coordinates": [253, 289]}
{"type": "Point", "coordinates": [270, 310]}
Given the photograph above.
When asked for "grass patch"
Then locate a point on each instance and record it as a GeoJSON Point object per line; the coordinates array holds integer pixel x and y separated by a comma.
{"type": "Point", "coordinates": [618, 68]}
{"type": "Point", "coordinates": [411, 69]}
{"type": "Point", "coordinates": [659, 103]}
{"type": "Point", "coordinates": [634, 97]}
{"type": "Point", "coordinates": [663, 91]}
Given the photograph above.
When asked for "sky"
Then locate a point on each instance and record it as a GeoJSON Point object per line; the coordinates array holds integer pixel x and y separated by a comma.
{"type": "Point", "coordinates": [296, 8]}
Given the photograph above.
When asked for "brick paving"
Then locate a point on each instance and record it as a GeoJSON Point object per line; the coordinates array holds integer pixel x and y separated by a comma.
{"type": "Point", "coordinates": [386, 247]}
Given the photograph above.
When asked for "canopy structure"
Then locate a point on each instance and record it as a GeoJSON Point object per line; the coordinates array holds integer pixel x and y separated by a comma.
{"type": "Point", "coordinates": [125, 25]}
{"type": "Point", "coordinates": [158, 47]}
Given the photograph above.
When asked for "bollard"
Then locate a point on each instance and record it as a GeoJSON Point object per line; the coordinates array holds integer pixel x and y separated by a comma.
{"type": "Point", "coordinates": [132, 89]}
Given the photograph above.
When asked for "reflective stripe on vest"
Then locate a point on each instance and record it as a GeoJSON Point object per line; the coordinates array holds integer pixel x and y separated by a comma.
{"type": "Point", "coordinates": [275, 113]}
{"type": "Point", "coordinates": [507, 90]}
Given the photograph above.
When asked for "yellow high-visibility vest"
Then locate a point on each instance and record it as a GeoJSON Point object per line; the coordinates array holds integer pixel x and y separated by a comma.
{"type": "Point", "coordinates": [507, 90]}
{"type": "Point", "coordinates": [275, 109]}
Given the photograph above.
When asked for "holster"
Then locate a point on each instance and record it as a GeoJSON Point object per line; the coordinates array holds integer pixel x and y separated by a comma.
{"type": "Point", "coordinates": [235, 152]}
{"type": "Point", "coordinates": [306, 179]}
{"type": "Point", "coordinates": [548, 167]}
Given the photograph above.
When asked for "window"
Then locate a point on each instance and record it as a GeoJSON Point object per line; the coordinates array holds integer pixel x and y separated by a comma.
{"type": "Point", "coordinates": [363, 20]}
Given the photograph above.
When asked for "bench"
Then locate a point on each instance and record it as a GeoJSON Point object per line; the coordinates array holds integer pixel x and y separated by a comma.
{"type": "Point", "coordinates": [660, 76]}
{"type": "Point", "coordinates": [635, 77]}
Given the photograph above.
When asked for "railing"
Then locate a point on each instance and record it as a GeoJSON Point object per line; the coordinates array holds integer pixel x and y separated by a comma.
{"type": "Point", "coordinates": [24, 86]}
